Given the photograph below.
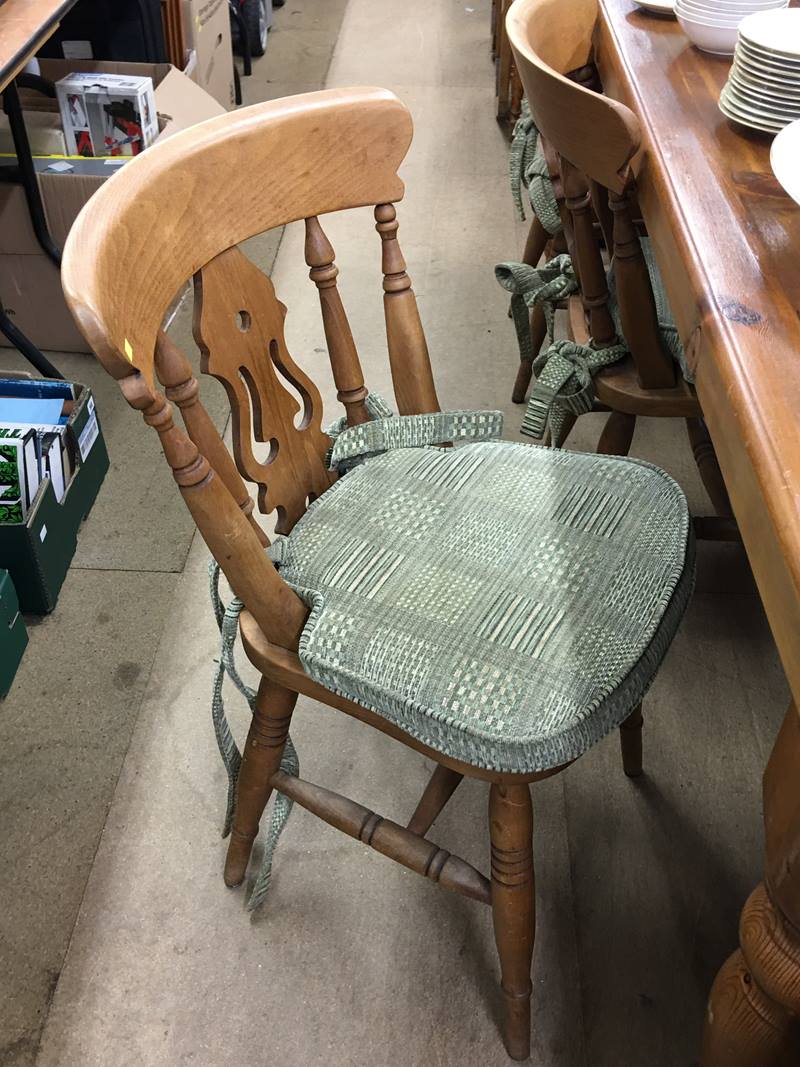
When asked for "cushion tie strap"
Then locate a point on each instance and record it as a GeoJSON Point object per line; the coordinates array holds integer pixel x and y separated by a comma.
{"type": "Point", "coordinates": [227, 617]}
{"type": "Point", "coordinates": [564, 386]}
{"type": "Point", "coordinates": [529, 286]}
{"type": "Point", "coordinates": [414, 431]}
{"type": "Point", "coordinates": [527, 166]}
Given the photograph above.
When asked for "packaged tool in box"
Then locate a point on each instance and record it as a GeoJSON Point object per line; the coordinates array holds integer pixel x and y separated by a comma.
{"type": "Point", "coordinates": [107, 114]}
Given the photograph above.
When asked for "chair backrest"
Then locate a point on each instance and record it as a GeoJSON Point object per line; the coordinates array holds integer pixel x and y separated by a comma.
{"type": "Point", "coordinates": [595, 139]}
{"type": "Point", "coordinates": [178, 212]}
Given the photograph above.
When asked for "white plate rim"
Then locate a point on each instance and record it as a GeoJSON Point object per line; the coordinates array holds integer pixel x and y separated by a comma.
{"type": "Point", "coordinates": [787, 136]}
{"type": "Point", "coordinates": [746, 117]}
{"type": "Point", "coordinates": [752, 24]}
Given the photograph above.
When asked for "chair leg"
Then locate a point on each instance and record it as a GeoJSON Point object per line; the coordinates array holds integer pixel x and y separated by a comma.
{"type": "Point", "coordinates": [536, 245]}
{"type": "Point", "coordinates": [630, 739]}
{"type": "Point", "coordinates": [707, 464]}
{"type": "Point", "coordinates": [617, 435]}
{"type": "Point", "coordinates": [513, 908]}
{"type": "Point", "coordinates": [443, 783]}
{"type": "Point", "coordinates": [261, 758]}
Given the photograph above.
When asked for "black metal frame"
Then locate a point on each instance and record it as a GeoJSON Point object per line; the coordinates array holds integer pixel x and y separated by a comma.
{"type": "Point", "coordinates": [25, 174]}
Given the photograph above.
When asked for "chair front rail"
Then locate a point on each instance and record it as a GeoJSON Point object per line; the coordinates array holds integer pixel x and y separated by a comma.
{"type": "Point", "coordinates": [387, 837]}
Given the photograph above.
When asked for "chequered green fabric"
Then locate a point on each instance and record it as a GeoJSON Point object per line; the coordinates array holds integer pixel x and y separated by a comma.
{"type": "Point", "coordinates": [666, 322]}
{"type": "Point", "coordinates": [506, 604]}
{"type": "Point", "coordinates": [527, 166]}
{"type": "Point", "coordinates": [413, 431]}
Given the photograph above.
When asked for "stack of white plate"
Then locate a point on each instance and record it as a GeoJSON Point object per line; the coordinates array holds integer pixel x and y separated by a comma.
{"type": "Point", "coordinates": [763, 89]}
{"type": "Point", "coordinates": [713, 24]}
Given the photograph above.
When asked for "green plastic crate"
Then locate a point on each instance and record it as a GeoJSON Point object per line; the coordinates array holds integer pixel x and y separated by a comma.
{"type": "Point", "coordinates": [38, 552]}
{"type": "Point", "coordinates": [13, 634]}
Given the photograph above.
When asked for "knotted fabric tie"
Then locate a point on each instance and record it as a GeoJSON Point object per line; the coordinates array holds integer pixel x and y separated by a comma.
{"type": "Point", "coordinates": [564, 386]}
{"type": "Point", "coordinates": [530, 286]}
{"type": "Point", "coordinates": [527, 166]}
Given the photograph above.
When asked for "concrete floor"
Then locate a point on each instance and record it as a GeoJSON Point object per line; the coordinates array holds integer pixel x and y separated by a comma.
{"type": "Point", "coordinates": [353, 961]}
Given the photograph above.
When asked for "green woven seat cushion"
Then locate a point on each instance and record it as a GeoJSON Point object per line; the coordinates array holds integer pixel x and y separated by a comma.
{"type": "Point", "coordinates": [666, 321]}
{"type": "Point", "coordinates": [505, 604]}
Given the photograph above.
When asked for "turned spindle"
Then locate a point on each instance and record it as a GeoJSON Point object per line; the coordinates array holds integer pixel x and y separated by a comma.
{"type": "Point", "coordinates": [408, 351]}
{"type": "Point", "coordinates": [175, 373]}
{"type": "Point", "coordinates": [345, 364]}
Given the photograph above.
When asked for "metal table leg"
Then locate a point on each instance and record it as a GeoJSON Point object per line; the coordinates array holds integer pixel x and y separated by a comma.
{"type": "Point", "coordinates": [28, 349]}
{"type": "Point", "coordinates": [27, 172]}
{"type": "Point", "coordinates": [30, 184]}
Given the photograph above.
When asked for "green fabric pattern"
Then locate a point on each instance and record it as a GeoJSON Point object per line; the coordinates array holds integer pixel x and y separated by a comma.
{"type": "Point", "coordinates": [227, 618]}
{"type": "Point", "coordinates": [564, 370]}
{"type": "Point", "coordinates": [529, 286]}
{"type": "Point", "coordinates": [506, 604]}
{"type": "Point", "coordinates": [413, 431]}
{"type": "Point", "coordinates": [564, 386]}
{"type": "Point", "coordinates": [666, 322]}
{"type": "Point", "coordinates": [528, 167]}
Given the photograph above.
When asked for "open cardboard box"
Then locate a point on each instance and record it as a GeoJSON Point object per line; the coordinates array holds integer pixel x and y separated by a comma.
{"type": "Point", "coordinates": [30, 286]}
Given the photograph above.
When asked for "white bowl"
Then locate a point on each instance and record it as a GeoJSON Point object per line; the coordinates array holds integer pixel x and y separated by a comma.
{"type": "Point", "coordinates": [718, 15]}
{"type": "Point", "coordinates": [721, 40]}
{"type": "Point", "coordinates": [715, 13]}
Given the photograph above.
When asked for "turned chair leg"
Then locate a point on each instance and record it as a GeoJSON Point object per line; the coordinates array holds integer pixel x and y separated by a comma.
{"type": "Point", "coordinates": [260, 759]}
{"type": "Point", "coordinates": [617, 435]}
{"type": "Point", "coordinates": [513, 908]}
{"type": "Point", "coordinates": [630, 739]}
{"type": "Point", "coordinates": [707, 464]}
{"type": "Point", "coordinates": [443, 783]}
{"type": "Point", "coordinates": [535, 248]}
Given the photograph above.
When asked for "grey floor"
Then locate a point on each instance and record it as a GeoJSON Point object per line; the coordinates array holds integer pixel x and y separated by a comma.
{"type": "Point", "coordinates": [119, 943]}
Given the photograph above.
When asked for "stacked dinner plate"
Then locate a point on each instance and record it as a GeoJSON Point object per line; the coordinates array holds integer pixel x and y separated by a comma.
{"type": "Point", "coordinates": [712, 24]}
{"type": "Point", "coordinates": [763, 89]}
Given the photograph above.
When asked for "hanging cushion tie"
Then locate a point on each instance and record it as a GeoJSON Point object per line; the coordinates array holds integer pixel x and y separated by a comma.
{"type": "Point", "coordinates": [529, 286]}
{"type": "Point", "coordinates": [564, 386]}
{"type": "Point", "coordinates": [528, 167]}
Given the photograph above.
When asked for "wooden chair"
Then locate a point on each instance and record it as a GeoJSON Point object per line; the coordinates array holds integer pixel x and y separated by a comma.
{"type": "Point", "coordinates": [596, 139]}
{"type": "Point", "coordinates": [178, 212]}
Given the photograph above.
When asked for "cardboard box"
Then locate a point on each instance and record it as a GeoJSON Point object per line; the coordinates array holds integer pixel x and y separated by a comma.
{"type": "Point", "coordinates": [13, 634]}
{"type": "Point", "coordinates": [38, 552]}
{"type": "Point", "coordinates": [107, 114]}
{"type": "Point", "coordinates": [30, 286]}
{"type": "Point", "coordinates": [208, 33]}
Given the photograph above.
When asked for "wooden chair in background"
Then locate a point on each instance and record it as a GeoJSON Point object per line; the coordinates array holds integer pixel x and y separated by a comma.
{"type": "Point", "coordinates": [595, 139]}
{"type": "Point", "coordinates": [179, 212]}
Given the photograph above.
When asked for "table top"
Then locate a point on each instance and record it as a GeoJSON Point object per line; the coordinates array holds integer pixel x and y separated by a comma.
{"type": "Point", "coordinates": [727, 239]}
{"type": "Point", "coordinates": [24, 27]}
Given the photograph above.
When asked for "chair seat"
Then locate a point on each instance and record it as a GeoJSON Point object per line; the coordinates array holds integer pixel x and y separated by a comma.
{"type": "Point", "coordinates": [666, 321]}
{"type": "Point", "coordinates": [505, 604]}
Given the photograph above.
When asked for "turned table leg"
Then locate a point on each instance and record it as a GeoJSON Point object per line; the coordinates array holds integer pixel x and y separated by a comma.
{"type": "Point", "coordinates": [513, 908]}
{"type": "Point", "coordinates": [753, 1017]}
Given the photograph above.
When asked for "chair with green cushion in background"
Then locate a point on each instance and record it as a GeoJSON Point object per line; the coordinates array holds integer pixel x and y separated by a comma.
{"type": "Point", "coordinates": [625, 352]}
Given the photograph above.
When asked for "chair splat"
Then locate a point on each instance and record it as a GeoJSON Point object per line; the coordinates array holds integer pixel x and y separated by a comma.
{"type": "Point", "coordinates": [239, 328]}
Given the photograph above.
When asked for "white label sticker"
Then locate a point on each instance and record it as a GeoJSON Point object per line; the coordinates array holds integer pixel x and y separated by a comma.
{"type": "Point", "coordinates": [89, 435]}
{"type": "Point", "coordinates": [43, 533]}
{"type": "Point", "coordinates": [90, 404]}
{"type": "Point", "coordinates": [77, 49]}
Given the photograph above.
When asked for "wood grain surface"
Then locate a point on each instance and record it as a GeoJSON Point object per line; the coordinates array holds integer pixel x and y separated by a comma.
{"type": "Point", "coordinates": [727, 239]}
{"type": "Point", "coordinates": [24, 27]}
